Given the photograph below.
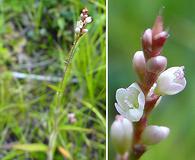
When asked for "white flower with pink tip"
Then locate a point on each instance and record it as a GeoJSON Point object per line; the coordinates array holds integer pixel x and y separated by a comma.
{"type": "Point", "coordinates": [171, 81]}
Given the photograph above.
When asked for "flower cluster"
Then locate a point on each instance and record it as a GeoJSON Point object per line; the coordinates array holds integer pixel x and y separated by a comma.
{"type": "Point", "coordinates": [137, 101]}
{"type": "Point", "coordinates": [81, 24]}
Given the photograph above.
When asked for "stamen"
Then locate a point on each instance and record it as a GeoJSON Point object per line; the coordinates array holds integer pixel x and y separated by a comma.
{"type": "Point", "coordinates": [129, 104]}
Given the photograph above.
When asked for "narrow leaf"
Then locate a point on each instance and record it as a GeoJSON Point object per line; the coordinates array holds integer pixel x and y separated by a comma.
{"type": "Point", "coordinates": [36, 147]}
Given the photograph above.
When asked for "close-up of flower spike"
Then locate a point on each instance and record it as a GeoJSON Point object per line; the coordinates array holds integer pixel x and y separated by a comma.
{"type": "Point", "coordinates": [136, 102]}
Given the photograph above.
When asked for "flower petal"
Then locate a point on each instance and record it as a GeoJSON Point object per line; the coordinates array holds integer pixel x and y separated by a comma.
{"type": "Point", "coordinates": [141, 101]}
{"type": "Point", "coordinates": [120, 110]}
{"type": "Point", "coordinates": [121, 93]}
{"type": "Point", "coordinates": [134, 115]}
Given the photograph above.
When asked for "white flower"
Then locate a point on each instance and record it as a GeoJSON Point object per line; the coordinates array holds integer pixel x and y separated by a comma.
{"type": "Point", "coordinates": [171, 81]}
{"type": "Point", "coordinates": [154, 134]}
{"type": "Point", "coordinates": [130, 102]}
{"type": "Point", "coordinates": [79, 26]}
{"type": "Point", "coordinates": [121, 134]}
{"type": "Point", "coordinates": [88, 20]}
{"type": "Point", "coordinates": [77, 30]}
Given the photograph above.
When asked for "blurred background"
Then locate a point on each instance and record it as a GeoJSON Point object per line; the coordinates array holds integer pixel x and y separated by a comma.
{"type": "Point", "coordinates": [127, 21]}
{"type": "Point", "coordinates": [35, 39]}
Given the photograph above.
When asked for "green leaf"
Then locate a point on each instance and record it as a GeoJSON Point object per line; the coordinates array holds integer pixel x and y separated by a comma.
{"type": "Point", "coordinates": [35, 147]}
{"type": "Point", "coordinates": [61, 23]}
{"type": "Point", "coordinates": [75, 128]}
{"type": "Point", "coordinates": [55, 88]}
{"type": "Point", "coordinates": [95, 110]}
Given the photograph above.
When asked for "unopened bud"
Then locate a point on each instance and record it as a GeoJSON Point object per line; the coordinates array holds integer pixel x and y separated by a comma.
{"type": "Point", "coordinates": [84, 30]}
{"type": "Point", "coordinates": [121, 134]}
{"type": "Point", "coordinates": [158, 26]}
{"type": "Point", "coordinates": [147, 42]}
{"type": "Point", "coordinates": [85, 11]}
{"type": "Point", "coordinates": [139, 64]}
{"type": "Point", "coordinates": [158, 42]}
{"type": "Point", "coordinates": [161, 35]}
{"type": "Point", "coordinates": [156, 64]}
{"type": "Point", "coordinates": [154, 134]}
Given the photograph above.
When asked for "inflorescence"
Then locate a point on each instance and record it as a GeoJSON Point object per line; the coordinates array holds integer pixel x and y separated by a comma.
{"type": "Point", "coordinates": [135, 102]}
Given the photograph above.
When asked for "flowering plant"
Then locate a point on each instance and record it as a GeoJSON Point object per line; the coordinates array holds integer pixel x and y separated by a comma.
{"type": "Point", "coordinates": [80, 29]}
{"type": "Point", "coordinates": [136, 102]}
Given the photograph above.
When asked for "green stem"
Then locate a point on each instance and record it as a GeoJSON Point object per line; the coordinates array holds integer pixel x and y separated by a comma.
{"type": "Point", "coordinates": [68, 62]}
{"type": "Point", "coordinates": [61, 88]}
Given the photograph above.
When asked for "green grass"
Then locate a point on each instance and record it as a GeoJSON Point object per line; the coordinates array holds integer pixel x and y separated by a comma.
{"type": "Point", "coordinates": [35, 38]}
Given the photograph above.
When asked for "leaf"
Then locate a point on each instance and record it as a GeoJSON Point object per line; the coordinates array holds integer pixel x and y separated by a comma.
{"type": "Point", "coordinates": [35, 147]}
{"type": "Point", "coordinates": [12, 155]}
{"type": "Point", "coordinates": [55, 88]}
{"type": "Point", "coordinates": [95, 110]}
{"type": "Point", "coordinates": [61, 23]}
{"type": "Point", "coordinates": [75, 128]}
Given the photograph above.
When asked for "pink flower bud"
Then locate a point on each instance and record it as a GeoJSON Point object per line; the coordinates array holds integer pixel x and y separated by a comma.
{"type": "Point", "coordinates": [139, 64]}
{"type": "Point", "coordinates": [158, 26]}
{"type": "Point", "coordinates": [147, 41]}
{"type": "Point", "coordinates": [158, 42]}
{"type": "Point", "coordinates": [154, 134]}
{"type": "Point", "coordinates": [156, 64]}
{"type": "Point", "coordinates": [163, 34]}
{"type": "Point", "coordinates": [121, 134]}
{"type": "Point", "coordinates": [84, 30]}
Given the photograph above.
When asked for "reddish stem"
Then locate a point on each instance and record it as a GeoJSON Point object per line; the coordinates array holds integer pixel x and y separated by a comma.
{"type": "Point", "coordinates": [138, 149]}
{"type": "Point", "coordinates": [158, 39]}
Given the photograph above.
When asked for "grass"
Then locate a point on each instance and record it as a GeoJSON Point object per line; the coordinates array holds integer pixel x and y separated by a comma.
{"type": "Point", "coordinates": [35, 38]}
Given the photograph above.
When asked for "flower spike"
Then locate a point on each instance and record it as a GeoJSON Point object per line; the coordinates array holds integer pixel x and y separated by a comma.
{"type": "Point", "coordinates": [85, 19]}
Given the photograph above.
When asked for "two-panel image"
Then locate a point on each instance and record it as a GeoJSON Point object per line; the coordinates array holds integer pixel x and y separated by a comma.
{"type": "Point", "coordinates": [97, 80]}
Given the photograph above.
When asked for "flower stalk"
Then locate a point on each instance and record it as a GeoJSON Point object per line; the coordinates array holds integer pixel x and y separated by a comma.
{"type": "Point", "coordinates": [53, 135]}
{"type": "Point", "coordinates": [80, 30]}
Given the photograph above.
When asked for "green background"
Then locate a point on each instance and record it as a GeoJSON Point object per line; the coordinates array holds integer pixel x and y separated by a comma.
{"type": "Point", "coordinates": [127, 21]}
